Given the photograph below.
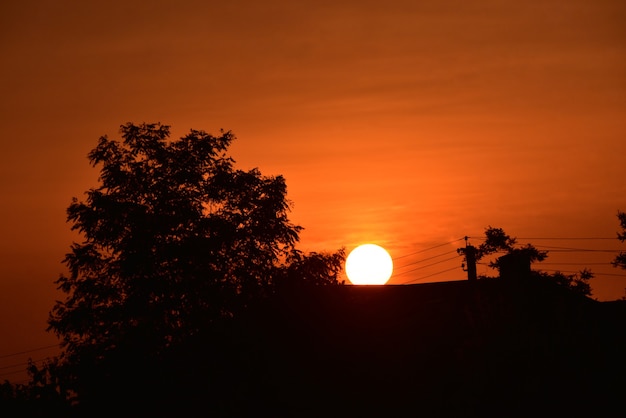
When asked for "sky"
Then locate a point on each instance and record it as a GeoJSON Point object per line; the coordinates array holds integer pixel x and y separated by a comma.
{"type": "Point", "coordinates": [409, 124]}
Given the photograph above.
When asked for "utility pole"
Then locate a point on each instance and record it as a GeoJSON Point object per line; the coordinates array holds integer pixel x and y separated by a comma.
{"type": "Point", "coordinates": [470, 258]}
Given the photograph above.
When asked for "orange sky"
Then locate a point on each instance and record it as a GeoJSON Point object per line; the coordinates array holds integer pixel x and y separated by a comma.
{"type": "Point", "coordinates": [404, 123]}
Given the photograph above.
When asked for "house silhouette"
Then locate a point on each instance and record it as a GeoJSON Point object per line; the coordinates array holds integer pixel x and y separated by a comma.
{"type": "Point", "coordinates": [514, 346]}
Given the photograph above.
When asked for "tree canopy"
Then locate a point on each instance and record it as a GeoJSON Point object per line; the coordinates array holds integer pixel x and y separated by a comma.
{"type": "Point", "coordinates": [175, 239]}
{"type": "Point", "coordinates": [499, 242]}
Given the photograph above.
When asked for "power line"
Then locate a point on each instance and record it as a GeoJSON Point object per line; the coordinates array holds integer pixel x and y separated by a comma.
{"type": "Point", "coordinates": [571, 249]}
{"type": "Point", "coordinates": [543, 263]}
{"type": "Point", "coordinates": [561, 253]}
{"type": "Point", "coordinates": [609, 274]}
{"type": "Point", "coordinates": [22, 369]}
{"type": "Point", "coordinates": [430, 248]}
{"type": "Point", "coordinates": [22, 364]}
{"type": "Point", "coordinates": [576, 272]}
{"type": "Point", "coordinates": [570, 238]}
{"type": "Point", "coordinates": [12, 373]}
{"type": "Point", "coordinates": [430, 275]}
{"type": "Point", "coordinates": [427, 265]}
{"type": "Point", "coordinates": [426, 259]}
{"type": "Point", "coordinates": [29, 351]}
{"type": "Point", "coordinates": [482, 238]}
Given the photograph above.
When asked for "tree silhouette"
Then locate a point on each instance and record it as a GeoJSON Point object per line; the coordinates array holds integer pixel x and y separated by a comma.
{"type": "Point", "coordinates": [620, 259]}
{"type": "Point", "coordinates": [576, 282]}
{"type": "Point", "coordinates": [313, 269]}
{"type": "Point", "coordinates": [175, 239]}
{"type": "Point", "coordinates": [497, 241]}
{"type": "Point", "coordinates": [42, 396]}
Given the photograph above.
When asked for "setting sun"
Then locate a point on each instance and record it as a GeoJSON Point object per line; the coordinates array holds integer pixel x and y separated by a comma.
{"type": "Point", "coordinates": [369, 264]}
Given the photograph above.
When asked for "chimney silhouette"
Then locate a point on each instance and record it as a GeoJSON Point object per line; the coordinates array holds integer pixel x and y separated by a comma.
{"type": "Point", "coordinates": [470, 258]}
{"type": "Point", "coordinates": [514, 266]}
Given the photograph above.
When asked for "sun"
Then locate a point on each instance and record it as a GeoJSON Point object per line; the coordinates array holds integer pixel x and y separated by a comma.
{"type": "Point", "coordinates": [369, 264]}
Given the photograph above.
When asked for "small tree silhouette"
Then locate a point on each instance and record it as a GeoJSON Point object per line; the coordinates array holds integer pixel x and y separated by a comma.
{"type": "Point", "coordinates": [498, 241]}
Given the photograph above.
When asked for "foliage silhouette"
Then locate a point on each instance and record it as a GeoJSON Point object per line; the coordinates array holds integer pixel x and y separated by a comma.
{"type": "Point", "coordinates": [498, 241]}
{"type": "Point", "coordinates": [175, 240]}
{"type": "Point", "coordinates": [313, 269]}
{"type": "Point", "coordinates": [43, 396]}
{"type": "Point", "coordinates": [576, 282]}
{"type": "Point", "coordinates": [620, 259]}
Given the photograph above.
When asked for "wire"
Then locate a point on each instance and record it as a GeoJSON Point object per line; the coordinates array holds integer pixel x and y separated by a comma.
{"type": "Point", "coordinates": [549, 248]}
{"type": "Point", "coordinates": [23, 367]}
{"type": "Point", "coordinates": [427, 265]}
{"type": "Point", "coordinates": [22, 364]}
{"type": "Point", "coordinates": [477, 238]}
{"type": "Point", "coordinates": [426, 259]}
{"type": "Point", "coordinates": [13, 372]}
{"type": "Point", "coordinates": [608, 274]}
{"type": "Point", "coordinates": [430, 248]}
{"type": "Point", "coordinates": [555, 249]}
{"type": "Point", "coordinates": [570, 249]}
{"type": "Point", "coordinates": [576, 272]}
{"type": "Point", "coordinates": [29, 351]}
{"type": "Point", "coordinates": [555, 238]}
{"type": "Point", "coordinates": [544, 263]}
{"type": "Point", "coordinates": [570, 238]}
{"type": "Point", "coordinates": [430, 275]}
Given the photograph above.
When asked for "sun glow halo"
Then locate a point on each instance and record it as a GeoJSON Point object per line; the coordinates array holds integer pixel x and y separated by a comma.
{"type": "Point", "coordinates": [369, 264]}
